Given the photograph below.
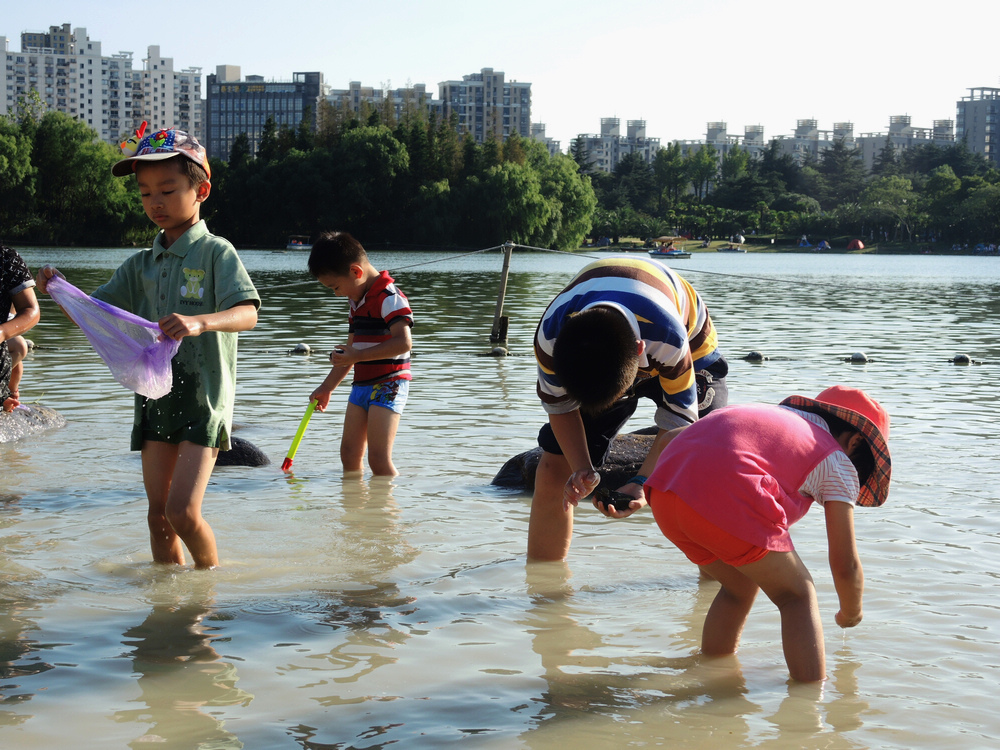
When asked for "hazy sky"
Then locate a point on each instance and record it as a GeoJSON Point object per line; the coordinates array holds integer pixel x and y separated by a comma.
{"type": "Point", "coordinates": [675, 63]}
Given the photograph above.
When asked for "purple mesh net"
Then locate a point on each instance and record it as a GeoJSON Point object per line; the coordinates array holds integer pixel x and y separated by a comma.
{"type": "Point", "coordinates": [130, 346]}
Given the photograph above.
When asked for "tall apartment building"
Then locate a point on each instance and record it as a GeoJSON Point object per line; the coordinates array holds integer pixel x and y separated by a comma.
{"type": "Point", "coordinates": [165, 97]}
{"type": "Point", "coordinates": [978, 122]}
{"type": "Point", "coordinates": [604, 151]}
{"type": "Point", "coordinates": [70, 75]}
{"type": "Point", "coordinates": [234, 106]}
{"type": "Point", "coordinates": [902, 136]}
{"type": "Point", "coordinates": [808, 141]}
{"type": "Point", "coordinates": [402, 100]}
{"type": "Point", "coordinates": [538, 134]}
{"type": "Point", "coordinates": [718, 136]}
{"type": "Point", "coordinates": [486, 102]}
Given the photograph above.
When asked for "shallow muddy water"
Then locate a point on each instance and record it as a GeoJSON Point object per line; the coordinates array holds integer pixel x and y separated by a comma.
{"type": "Point", "coordinates": [361, 613]}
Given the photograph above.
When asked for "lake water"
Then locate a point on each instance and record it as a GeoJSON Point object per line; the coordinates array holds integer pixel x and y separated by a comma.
{"type": "Point", "coordinates": [360, 613]}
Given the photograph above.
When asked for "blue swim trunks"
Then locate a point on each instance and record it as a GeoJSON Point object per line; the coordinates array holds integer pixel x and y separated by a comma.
{"type": "Point", "coordinates": [390, 394]}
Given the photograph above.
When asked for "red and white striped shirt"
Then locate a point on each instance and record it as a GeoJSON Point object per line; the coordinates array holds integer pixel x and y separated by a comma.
{"type": "Point", "coordinates": [370, 320]}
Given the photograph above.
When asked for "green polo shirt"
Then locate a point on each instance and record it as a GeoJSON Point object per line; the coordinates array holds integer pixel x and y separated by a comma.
{"type": "Point", "coordinates": [199, 274]}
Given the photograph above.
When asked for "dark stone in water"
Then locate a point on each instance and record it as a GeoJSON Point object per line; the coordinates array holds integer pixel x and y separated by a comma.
{"type": "Point", "coordinates": [242, 453]}
{"type": "Point", "coordinates": [628, 451]}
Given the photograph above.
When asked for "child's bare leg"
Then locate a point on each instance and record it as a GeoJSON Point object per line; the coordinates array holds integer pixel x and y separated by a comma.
{"type": "Point", "coordinates": [728, 613]}
{"type": "Point", "coordinates": [158, 461]}
{"type": "Point", "coordinates": [787, 583]}
{"type": "Point", "coordinates": [550, 527]}
{"type": "Point", "coordinates": [190, 469]}
{"type": "Point", "coordinates": [355, 438]}
{"type": "Point", "coordinates": [382, 426]}
{"type": "Point", "coordinates": [18, 349]}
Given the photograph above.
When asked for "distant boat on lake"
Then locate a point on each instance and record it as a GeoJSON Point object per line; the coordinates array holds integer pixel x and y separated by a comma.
{"type": "Point", "coordinates": [299, 242]}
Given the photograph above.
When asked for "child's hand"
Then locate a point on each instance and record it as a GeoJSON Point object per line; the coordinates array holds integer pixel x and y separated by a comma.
{"type": "Point", "coordinates": [578, 486]}
{"type": "Point", "coordinates": [638, 503]}
{"type": "Point", "coordinates": [177, 326]}
{"type": "Point", "coordinates": [322, 398]}
{"type": "Point", "coordinates": [44, 274]}
{"type": "Point", "coordinates": [846, 621]}
{"type": "Point", "coordinates": [13, 402]}
{"type": "Point", "coordinates": [344, 356]}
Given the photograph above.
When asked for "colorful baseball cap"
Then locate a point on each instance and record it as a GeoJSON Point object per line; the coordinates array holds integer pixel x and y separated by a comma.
{"type": "Point", "coordinates": [868, 417]}
{"type": "Point", "coordinates": [158, 145]}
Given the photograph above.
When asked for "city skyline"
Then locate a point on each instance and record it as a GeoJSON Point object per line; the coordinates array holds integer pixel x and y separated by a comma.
{"type": "Point", "coordinates": [674, 66]}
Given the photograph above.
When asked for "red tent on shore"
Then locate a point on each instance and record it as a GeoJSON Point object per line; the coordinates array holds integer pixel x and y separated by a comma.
{"type": "Point", "coordinates": [855, 245]}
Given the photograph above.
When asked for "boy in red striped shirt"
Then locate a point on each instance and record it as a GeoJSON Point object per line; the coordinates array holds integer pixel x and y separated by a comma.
{"type": "Point", "coordinates": [378, 348]}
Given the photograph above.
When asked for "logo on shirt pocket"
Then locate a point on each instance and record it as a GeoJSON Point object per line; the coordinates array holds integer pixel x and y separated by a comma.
{"type": "Point", "coordinates": [192, 288]}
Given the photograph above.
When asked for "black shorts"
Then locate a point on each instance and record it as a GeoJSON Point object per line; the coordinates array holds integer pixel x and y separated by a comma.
{"type": "Point", "coordinates": [601, 429]}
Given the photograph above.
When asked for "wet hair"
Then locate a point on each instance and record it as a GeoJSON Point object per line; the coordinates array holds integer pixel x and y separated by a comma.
{"type": "Point", "coordinates": [194, 172]}
{"type": "Point", "coordinates": [862, 458]}
{"type": "Point", "coordinates": [595, 357]}
{"type": "Point", "coordinates": [335, 252]}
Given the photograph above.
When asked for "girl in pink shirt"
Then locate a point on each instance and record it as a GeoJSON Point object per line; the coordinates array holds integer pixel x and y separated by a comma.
{"type": "Point", "coordinates": [726, 490]}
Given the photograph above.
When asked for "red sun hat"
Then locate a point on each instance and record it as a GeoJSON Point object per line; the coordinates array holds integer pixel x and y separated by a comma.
{"type": "Point", "coordinates": [868, 417]}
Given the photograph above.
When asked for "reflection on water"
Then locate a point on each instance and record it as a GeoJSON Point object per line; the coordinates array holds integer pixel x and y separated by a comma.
{"type": "Point", "coordinates": [361, 613]}
{"type": "Point", "coordinates": [181, 678]}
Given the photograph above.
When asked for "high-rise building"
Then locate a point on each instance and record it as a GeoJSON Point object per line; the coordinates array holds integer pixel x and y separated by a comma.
{"type": "Point", "coordinates": [978, 122]}
{"type": "Point", "coordinates": [538, 134]}
{"type": "Point", "coordinates": [234, 106]}
{"type": "Point", "coordinates": [403, 101]}
{"type": "Point", "coordinates": [604, 151]}
{"type": "Point", "coordinates": [902, 136]}
{"type": "Point", "coordinates": [167, 98]}
{"type": "Point", "coordinates": [486, 102]}
{"type": "Point", "coordinates": [71, 75]}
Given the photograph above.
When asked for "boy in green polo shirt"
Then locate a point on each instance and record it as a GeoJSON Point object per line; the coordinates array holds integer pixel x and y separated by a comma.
{"type": "Point", "coordinates": [195, 286]}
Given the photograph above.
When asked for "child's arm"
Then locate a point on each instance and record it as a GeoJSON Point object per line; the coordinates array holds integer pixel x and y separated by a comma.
{"type": "Point", "coordinates": [322, 394]}
{"type": "Point", "coordinates": [240, 317]}
{"type": "Point", "coordinates": [848, 578]}
{"type": "Point", "coordinates": [398, 343]}
{"type": "Point", "coordinates": [27, 314]}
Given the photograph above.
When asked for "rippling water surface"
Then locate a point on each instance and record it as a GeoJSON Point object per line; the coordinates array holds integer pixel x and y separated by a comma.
{"type": "Point", "coordinates": [361, 613]}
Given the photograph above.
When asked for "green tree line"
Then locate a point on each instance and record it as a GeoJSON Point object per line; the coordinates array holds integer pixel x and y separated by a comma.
{"type": "Point", "coordinates": [948, 194]}
{"type": "Point", "coordinates": [411, 181]}
{"type": "Point", "coordinates": [415, 180]}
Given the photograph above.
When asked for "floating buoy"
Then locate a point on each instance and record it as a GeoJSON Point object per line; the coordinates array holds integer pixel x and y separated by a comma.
{"type": "Point", "coordinates": [302, 349]}
{"type": "Point", "coordinates": [962, 359]}
{"type": "Point", "coordinates": [499, 351]}
{"type": "Point", "coordinates": [859, 358]}
{"type": "Point", "coordinates": [755, 356]}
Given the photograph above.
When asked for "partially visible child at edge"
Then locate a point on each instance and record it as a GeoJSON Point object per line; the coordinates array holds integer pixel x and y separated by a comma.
{"type": "Point", "coordinates": [378, 348]}
{"type": "Point", "coordinates": [193, 283]}
{"type": "Point", "coordinates": [727, 488]}
{"type": "Point", "coordinates": [18, 313]}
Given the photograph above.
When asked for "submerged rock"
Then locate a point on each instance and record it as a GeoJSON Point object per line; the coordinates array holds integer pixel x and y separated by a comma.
{"type": "Point", "coordinates": [27, 419]}
{"type": "Point", "coordinates": [628, 451]}
{"type": "Point", "coordinates": [242, 453]}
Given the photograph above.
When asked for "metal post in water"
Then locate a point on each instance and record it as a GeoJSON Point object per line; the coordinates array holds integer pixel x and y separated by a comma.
{"type": "Point", "coordinates": [498, 335]}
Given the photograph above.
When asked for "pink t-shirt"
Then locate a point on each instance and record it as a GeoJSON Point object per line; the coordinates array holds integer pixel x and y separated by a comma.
{"type": "Point", "coordinates": [742, 468]}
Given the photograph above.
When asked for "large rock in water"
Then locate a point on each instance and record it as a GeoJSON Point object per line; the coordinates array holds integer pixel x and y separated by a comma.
{"type": "Point", "coordinates": [242, 453]}
{"type": "Point", "coordinates": [628, 451]}
{"type": "Point", "coordinates": [28, 419]}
